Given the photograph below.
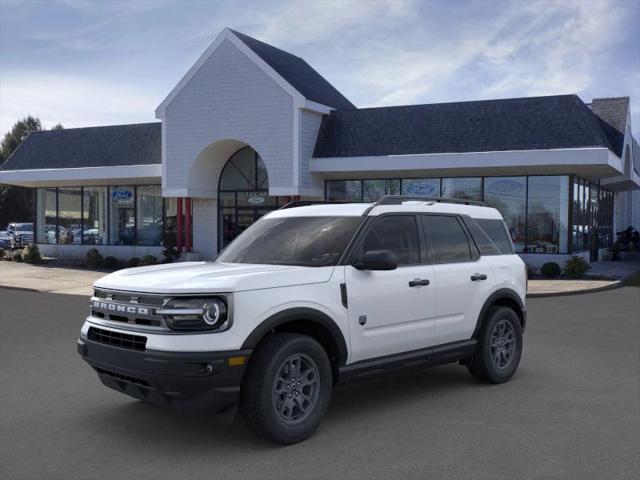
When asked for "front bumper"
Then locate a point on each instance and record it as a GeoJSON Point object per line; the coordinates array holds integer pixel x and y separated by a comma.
{"type": "Point", "coordinates": [183, 379]}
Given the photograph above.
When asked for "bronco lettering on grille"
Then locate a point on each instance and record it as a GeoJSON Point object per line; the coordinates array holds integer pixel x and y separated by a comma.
{"type": "Point", "coordinates": [115, 307]}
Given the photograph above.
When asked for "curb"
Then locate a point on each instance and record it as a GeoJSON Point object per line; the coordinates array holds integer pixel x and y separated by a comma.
{"type": "Point", "coordinates": [24, 289]}
{"type": "Point", "coordinates": [613, 286]}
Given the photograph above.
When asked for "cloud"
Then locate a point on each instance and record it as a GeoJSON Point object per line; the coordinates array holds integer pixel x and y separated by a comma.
{"type": "Point", "coordinates": [295, 22]}
{"type": "Point", "coordinates": [533, 48]}
{"type": "Point", "coordinates": [73, 101]}
{"type": "Point", "coordinates": [377, 53]}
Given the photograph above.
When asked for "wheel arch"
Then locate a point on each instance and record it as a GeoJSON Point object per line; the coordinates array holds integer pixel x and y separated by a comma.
{"type": "Point", "coordinates": [504, 297]}
{"type": "Point", "coordinates": [307, 321]}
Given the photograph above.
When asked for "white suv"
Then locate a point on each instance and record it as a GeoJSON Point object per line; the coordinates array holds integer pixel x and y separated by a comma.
{"type": "Point", "coordinates": [308, 297]}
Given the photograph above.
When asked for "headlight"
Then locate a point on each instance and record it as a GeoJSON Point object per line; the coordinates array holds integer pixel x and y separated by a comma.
{"type": "Point", "coordinates": [196, 314]}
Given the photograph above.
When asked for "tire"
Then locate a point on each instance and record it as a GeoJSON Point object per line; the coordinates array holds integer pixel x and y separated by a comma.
{"type": "Point", "coordinates": [499, 346]}
{"type": "Point", "coordinates": [274, 405]}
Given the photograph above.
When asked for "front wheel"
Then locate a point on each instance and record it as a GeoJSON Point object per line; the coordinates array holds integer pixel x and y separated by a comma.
{"type": "Point", "coordinates": [287, 387]}
{"type": "Point", "coordinates": [499, 346]}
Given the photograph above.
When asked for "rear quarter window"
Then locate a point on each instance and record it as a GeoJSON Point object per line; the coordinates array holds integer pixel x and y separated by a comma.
{"type": "Point", "coordinates": [490, 236]}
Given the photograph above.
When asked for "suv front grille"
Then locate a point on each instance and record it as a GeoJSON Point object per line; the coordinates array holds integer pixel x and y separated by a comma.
{"type": "Point", "coordinates": [117, 339]}
{"type": "Point", "coordinates": [128, 308]}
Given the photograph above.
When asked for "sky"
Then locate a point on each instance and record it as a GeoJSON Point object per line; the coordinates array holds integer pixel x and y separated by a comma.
{"type": "Point", "coordinates": [101, 62]}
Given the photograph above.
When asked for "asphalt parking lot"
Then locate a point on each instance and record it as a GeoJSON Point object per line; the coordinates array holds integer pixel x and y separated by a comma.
{"type": "Point", "coordinates": [572, 411]}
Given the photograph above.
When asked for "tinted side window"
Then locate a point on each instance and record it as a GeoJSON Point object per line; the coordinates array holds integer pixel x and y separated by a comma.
{"type": "Point", "coordinates": [448, 242]}
{"type": "Point", "coordinates": [496, 231]}
{"type": "Point", "coordinates": [398, 234]}
{"type": "Point", "coordinates": [484, 243]}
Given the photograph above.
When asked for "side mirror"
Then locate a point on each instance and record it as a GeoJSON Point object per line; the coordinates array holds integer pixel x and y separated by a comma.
{"type": "Point", "coordinates": [377, 260]}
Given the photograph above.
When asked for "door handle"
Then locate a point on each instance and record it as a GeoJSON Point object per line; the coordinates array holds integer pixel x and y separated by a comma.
{"type": "Point", "coordinates": [418, 282]}
{"type": "Point", "coordinates": [478, 276]}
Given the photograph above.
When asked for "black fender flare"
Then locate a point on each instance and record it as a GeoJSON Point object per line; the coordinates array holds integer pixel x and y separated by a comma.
{"type": "Point", "coordinates": [501, 294]}
{"type": "Point", "coordinates": [300, 314]}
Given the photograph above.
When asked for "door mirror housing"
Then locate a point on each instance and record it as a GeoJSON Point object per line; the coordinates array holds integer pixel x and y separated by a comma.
{"type": "Point", "coordinates": [377, 260]}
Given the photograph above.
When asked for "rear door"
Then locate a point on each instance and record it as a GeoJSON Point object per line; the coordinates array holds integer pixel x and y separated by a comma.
{"type": "Point", "coordinates": [463, 279]}
{"type": "Point", "coordinates": [391, 311]}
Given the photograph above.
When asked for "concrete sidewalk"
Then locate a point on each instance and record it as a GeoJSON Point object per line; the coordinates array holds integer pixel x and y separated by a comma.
{"type": "Point", "coordinates": [551, 288]}
{"type": "Point", "coordinates": [72, 281]}
{"type": "Point", "coordinates": [76, 281]}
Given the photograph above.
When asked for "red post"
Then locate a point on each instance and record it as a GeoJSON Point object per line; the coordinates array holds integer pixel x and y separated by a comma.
{"type": "Point", "coordinates": [187, 213]}
{"type": "Point", "coordinates": [179, 225]}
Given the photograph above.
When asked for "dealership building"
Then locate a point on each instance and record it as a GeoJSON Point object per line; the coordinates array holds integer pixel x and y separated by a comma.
{"type": "Point", "coordinates": [251, 127]}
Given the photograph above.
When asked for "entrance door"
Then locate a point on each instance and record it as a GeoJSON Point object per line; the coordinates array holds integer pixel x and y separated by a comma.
{"type": "Point", "coordinates": [243, 195]}
{"type": "Point", "coordinates": [391, 311]}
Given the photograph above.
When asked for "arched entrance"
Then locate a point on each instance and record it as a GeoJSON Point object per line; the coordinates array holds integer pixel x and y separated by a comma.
{"type": "Point", "coordinates": [243, 194]}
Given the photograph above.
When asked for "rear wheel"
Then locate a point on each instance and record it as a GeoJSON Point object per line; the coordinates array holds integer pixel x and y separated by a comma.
{"type": "Point", "coordinates": [287, 387]}
{"type": "Point", "coordinates": [499, 346]}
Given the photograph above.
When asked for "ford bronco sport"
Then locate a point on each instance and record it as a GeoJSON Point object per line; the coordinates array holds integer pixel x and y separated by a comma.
{"type": "Point", "coordinates": [309, 296]}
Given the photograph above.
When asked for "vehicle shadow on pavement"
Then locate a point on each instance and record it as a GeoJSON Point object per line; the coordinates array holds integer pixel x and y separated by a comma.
{"type": "Point", "coordinates": [160, 426]}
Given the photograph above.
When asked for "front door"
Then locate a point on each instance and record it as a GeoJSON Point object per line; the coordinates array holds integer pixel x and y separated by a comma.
{"type": "Point", "coordinates": [391, 311]}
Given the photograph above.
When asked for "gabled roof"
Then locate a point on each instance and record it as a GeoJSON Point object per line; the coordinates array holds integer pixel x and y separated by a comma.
{"type": "Point", "coordinates": [109, 146]}
{"type": "Point", "coordinates": [292, 73]}
{"type": "Point", "coordinates": [534, 123]}
{"type": "Point", "coordinates": [613, 113]}
{"type": "Point", "coordinates": [298, 73]}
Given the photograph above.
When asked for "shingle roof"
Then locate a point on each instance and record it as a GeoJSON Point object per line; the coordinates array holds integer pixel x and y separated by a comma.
{"type": "Point", "coordinates": [613, 116]}
{"type": "Point", "coordinates": [108, 146]}
{"type": "Point", "coordinates": [533, 123]}
{"type": "Point", "coordinates": [298, 73]}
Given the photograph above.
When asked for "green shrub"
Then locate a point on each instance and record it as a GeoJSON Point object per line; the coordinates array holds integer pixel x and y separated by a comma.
{"type": "Point", "coordinates": [576, 267]}
{"type": "Point", "coordinates": [170, 252]}
{"type": "Point", "coordinates": [550, 269]}
{"type": "Point", "coordinates": [94, 258]}
{"type": "Point", "coordinates": [110, 263]}
{"type": "Point", "coordinates": [148, 260]}
{"type": "Point", "coordinates": [133, 262]}
{"type": "Point", "coordinates": [31, 254]}
{"type": "Point", "coordinates": [17, 256]}
{"type": "Point", "coordinates": [1, 253]}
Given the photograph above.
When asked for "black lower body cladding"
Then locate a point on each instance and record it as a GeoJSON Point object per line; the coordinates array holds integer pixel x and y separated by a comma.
{"type": "Point", "coordinates": [194, 380]}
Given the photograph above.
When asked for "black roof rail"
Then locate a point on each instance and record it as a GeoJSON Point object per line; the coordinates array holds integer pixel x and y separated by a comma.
{"type": "Point", "coordinates": [398, 199]}
{"type": "Point", "coordinates": [306, 203]}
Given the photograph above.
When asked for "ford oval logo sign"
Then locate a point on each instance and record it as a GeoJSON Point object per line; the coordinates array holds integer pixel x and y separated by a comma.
{"type": "Point", "coordinates": [121, 194]}
{"type": "Point", "coordinates": [256, 200]}
{"type": "Point", "coordinates": [422, 189]}
{"type": "Point", "coordinates": [505, 187]}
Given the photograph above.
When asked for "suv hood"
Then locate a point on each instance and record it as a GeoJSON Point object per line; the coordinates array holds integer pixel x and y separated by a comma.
{"type": "Point", "coordinates": [207, 277]}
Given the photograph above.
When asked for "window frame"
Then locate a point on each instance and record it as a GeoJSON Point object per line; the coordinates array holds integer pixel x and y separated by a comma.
{"type": "Point", "coordinates": [353, 248]}
{"type": "Point", "coordinates": [474, 253]}
{"type": "Point", "coordinates": [108, 208]}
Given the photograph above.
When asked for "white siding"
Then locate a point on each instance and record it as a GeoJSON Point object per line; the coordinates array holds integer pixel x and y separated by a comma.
{"type": "Point", "coordinates": [310, 184]}
{"type": "Point", "coordinates": [205, 227]}
{"type": "Point", "coordinates": [229, 97]}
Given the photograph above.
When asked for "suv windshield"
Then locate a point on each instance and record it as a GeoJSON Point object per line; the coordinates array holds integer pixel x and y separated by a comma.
{"type": "Point", "coordinates": [303, 241]}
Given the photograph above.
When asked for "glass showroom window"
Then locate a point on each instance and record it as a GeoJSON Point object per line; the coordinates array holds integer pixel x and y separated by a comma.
{"type": "Point", "coordinates": [344, 190]}
{"type": "Point", "coordinates": [122, 219]}
{"type": "Point", "coordinates": [69, 216]}
{"type": "Point", "coordinates": [149, 215]}
{"type": "Point", "coordinates": [94, 216]}
{"type": "Point", "coordinates": [46, 215]}
{"type": "Point", "coordinates": [170, 221]}
{"type": "Point", "coordinates": [509, 196]}
{"type": "Point", "coordinates": [373, 190]}
{"type": "Point", "coordinates": [547, 215]}
{"type": "Point", "coordinates": [462, 188]}
{"type": "Point", "coordinates": [423, 187]}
